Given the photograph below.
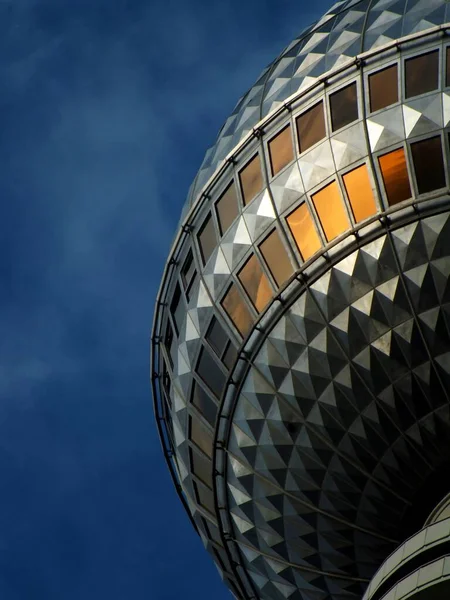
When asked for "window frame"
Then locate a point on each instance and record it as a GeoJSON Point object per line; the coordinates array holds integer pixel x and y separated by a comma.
{"type": "Point", "coordinates": [378, 68]}
{"type": "Point", "coordinates": [268, 155]}
{"type": "Point", "coordinates": [417, 53]}
{"type": "Point", "coordinates": [335, 90]}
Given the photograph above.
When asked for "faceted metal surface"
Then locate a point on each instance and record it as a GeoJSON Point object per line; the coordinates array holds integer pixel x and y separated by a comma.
{"type": "Point", "coordinates": [349, 28]}
{"type": "Point", "coordinates": [343, 417]}
{"type": "Point", "coordinates": [344, 409]}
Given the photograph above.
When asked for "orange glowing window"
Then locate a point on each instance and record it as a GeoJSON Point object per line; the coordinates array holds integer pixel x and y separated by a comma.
{"type": "Point", "coordinates": [395, 176]}
{"type": "Point", "coordinates": [235, 307]}
{"type": "Point", "coordinates": [251, 179]}
{"type": "Point", "coordinates": [302, 228]}
{"type": "Point", "coordinates": [331, 211]}
{"type": "Point", "coordinates": [255, 283]}
{"type": "Point", "coordinates": [276, 258]}
{"type": "Point", "coordinates": [360, 194]}
{"type": "Point", "coordinates": [280, 150]}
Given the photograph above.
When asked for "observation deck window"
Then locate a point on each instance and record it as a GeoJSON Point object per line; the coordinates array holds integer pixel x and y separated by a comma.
{"type": "Point", "coordinates": [177, 309]}
{"type": "Point", "coordinates": [235, 307]}
{"type": "Point", "coordinates": [220, 342]}
{"type": "Point", "coordinates": [210, 372]}
{"type": "Point", "coordinates": [311, 127]}
{"type": "Point", "coordinates": [207, 239]}
{"type": "Point", "coordinates": [331, 211]}
{"type": "Point", "coordinates": [281, 152]}
{"type": "Point", "coordinates": [200, 436]}
{"type": "Point", "coordinates": [360, 194]}
{"type": "Point", "coordinates": [428, 164]}
{"type": "Point", "coordinates": [255, 283]}
{"type": "Point", "coordinates": [344, 107]}
{"type": "Point", "coordinates": [395, 176]}
{"type": "Point", "coordinates": [251, 179]}
{"type": "Point", "coordinates": [188, 274]}
{"type": "Point", "coordinates": [227, 208]}
{"type": "Point", "coordinates": [276, 258]}
{"type": "Point", "coordinates": [302, 228]}
{"type": "Point", "coordinates": [422, 74]}
{"type": "Point", "coordinates": [203, 403]}
{"type": "Point", "coordinates": [383, 88]}
{"type": "Point", "coordinates": [201, 467]}
{"type": "Point", "coordinates": [204, 497]}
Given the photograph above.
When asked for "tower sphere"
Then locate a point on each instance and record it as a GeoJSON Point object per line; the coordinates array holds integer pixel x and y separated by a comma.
{"type": "Point", "coordinates": [301, 341]}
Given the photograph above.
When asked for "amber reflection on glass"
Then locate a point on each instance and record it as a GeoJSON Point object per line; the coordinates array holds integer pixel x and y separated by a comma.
{"type": "Point", "coordinates": [201, 467]}
{"type": "Point", "coordinates": [383, 88]}
{"type": "Point", "coordinates": [207, 239]}
{"type": "Point", "coordinates": [200, 436]}
{"type": "Point", "coordinates": [276, 258]}
{"type": "Point", "coordinates": [203, 403]}
{"type": "Point", "coordinates": [280, 150]}
{"type": "Point", "coordinates": [360, 194]}
{"type": "Point", "coordinates": [227, 208]}
{"type": "Point", "coordinates": [428, 164]}
{"type": "Point", "coordinates": [251, 179]}
{"type": "Point", "coordinates": [422, 74]}
{"type": "Point", "coordinates": [235, 307]}
{"type": "Point", "coordinates": [447, 67]}
{"type": "Point", "coordinates": [255, 283]}
{"type": "Point", "coordinates": [344, 107]}
{"type": "Point", "coordinates": [311, 127]}
{"type": "Point", "coordinates": [331, 211]}
{"type": "Point", "coordinates": [302, 228]}
{"type": "Point", "coordinates": [395, 176]}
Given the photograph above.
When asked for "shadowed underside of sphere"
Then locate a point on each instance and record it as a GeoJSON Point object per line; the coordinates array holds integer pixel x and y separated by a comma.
{"type": "Point", "coordinates": [301, 341]}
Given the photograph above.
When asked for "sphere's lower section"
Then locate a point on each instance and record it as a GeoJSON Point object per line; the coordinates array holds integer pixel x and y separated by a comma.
{"type": "Point", "coordinates": [339, 447]}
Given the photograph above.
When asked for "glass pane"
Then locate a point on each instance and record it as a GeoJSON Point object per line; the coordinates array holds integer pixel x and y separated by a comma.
{"type": "Point", "coordinates": [344, 107]}
{"type": "Point", "coordinates": [207, 239]}
{"type": "Point", "coordinates": [210, 373]}
{"type": "Point", "coordinates": [383, 88]}
{"type": "Point", "coordinates": [251, 179]}
{"type": "Point", "coordinates": [213, 531]}
{"type": "Point", "coordinates": [428, 164]}
{"type": "Point", "coordinates": [360, 194]}
{"type": "Point", "coordinates": [276, 257]}
{"type": "Point", "coordinates": [201, 436]}
{"type": "Point", "coordinates": [217, 337]}
{"type": "Point", "coordinates": [447, 67]}
{"type": "Point", "coordinates": [305, 234]}
{"type": "Point", "coordinates": [311, 127]}
{"type": "Point", "coordinates": [235, 307]}
{"type": "Point", "coordinates": [205, 497]}
{"type": "Point", "coordinates": [280, 150]}
{"type": "Point", "coordinates": [204, 403]}
{"type": "Point", "coordinates": [177, 309]}
{"type": "Point", "coordinates": [422, 74]}
{"type": "Point", "coordinates": [331, 211]}
{"type": "Point", "coordinates": [201, 467]}
{"type": "Point", "coordinates": [395, 176]}
{"type": "Point", "coordinates": [227, 208]}
{"type": "Point", "coordinates": [188, 273]}
{"type": "Point", "coordinates": [230, 356]}
{"type": "Point", "coordinates": [170, 346]}
{"type": "Point", "coordinates": [255, 283]}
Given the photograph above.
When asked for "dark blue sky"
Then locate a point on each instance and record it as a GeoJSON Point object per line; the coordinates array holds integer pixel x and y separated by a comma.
{"type": "Point", "coordinates": [106, 110]}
